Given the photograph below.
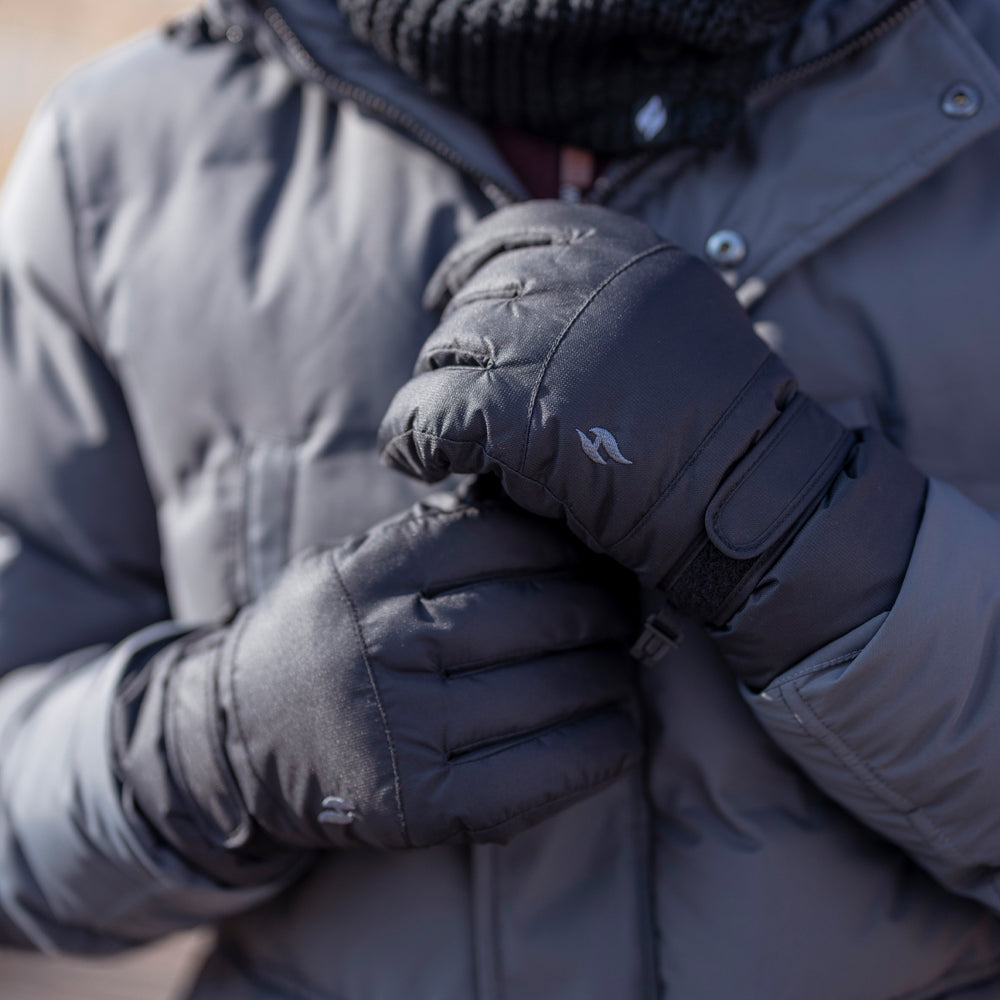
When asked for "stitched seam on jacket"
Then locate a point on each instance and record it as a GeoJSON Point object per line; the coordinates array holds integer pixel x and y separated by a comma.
{"type": "Point", "coordinates": [638, 259]}
{"type": "Point", "coordinates": [356, 623]}
{"type": "Point", "coordinates": [92, 336]}
{"type": "Point", "coordinates": [869, 775]}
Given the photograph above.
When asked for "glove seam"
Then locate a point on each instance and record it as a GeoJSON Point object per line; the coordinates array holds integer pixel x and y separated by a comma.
{"type": "Point", "coordinates": [470, 667]}
{"type": "Point", "coordinates": [213, 649]}
{"type": "Point", "coordinates": [262, 789]}
{"type": "Point", "coordinates": [618, 272]}
{"type": "Point", "coordinates": [461, 755]}
{"type": "Point", "coordinates": [503, 242]}
{"type": "Point", "coordinates": [365, 656]}
{"type": "Point", "coordinates": [677, 478]}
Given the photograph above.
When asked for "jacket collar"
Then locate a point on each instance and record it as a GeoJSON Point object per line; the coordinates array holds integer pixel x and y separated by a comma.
{"type": "Point", "coordinates": [313, 38]}
{"type": "Point", "coordinates": [827, 159]}
{"type": "Point", "coordinates": [319, 37]}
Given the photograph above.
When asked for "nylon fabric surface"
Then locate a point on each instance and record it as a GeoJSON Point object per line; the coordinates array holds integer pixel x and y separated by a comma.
{"type": "Point", "coordinates": [776, 824]}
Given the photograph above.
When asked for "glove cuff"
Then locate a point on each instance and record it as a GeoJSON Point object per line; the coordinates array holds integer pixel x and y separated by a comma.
{"type": "Point", "coordinates": [841, 568]}
{"type": "Point", "coordinates": [174, 769]}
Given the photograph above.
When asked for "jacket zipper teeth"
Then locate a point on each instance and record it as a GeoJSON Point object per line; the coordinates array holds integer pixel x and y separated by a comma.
{"type": "Point", "coordinates": [385, 110]}
{"type": "Point", "coordinates": [864, 39]}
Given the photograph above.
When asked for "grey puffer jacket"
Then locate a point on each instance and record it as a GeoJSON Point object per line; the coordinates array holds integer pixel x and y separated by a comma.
{"type": "Point", "coordinates": [213, 248]}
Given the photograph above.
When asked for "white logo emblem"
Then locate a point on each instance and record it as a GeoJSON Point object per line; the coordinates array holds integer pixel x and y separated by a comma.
{"type": "Point", "coordinates": [651, 118]}
{"type": "Point", "coordinates": [592, 449]}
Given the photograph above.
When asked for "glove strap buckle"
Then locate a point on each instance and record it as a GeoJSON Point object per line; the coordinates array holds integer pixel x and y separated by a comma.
{"type": "Point", "coordinates": [659, 635]}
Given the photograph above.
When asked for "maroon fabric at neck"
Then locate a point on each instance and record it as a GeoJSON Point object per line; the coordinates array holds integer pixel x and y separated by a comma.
{"type": "Point", "coordinates": [534, 160]}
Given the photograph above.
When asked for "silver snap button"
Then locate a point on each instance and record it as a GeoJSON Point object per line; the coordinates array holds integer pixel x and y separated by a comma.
{"type": "Point", "coordinates": [337, 811]}
{"type": "Point", "coordinates": [726, 248]}
{"type": "Point", "coordinates": [961, 100]}
{"type": "Point", "coordinates": [234, 33]}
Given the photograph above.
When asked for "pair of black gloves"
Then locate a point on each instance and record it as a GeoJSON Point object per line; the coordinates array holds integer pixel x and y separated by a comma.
{"type": "Point", "coordinates": [461, 671]}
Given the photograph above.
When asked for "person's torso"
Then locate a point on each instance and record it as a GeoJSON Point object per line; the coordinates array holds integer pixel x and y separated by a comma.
{"type": "Point", "coordinates": [258, 266]}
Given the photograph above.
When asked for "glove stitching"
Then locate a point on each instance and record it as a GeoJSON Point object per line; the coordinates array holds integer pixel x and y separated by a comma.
{"type": "Point", "coordinates": [356, 622]}
{"type": "Point", "coordinates": [493, 746]}
{"type": "Point", "coordinates": [522, 656]}
{"type": "Point", "coordinates": [213, 649]}
{"type": "Point", "coordinates": [512, 575]}
{"type": "Point", "coordinates": [637, 259]}
{"type": "Point", "coordinates": [519, 238]}
{"type": "Point", "coordinates": [703, 445]}
{"type": "Point", "coordinates": [498, 293]}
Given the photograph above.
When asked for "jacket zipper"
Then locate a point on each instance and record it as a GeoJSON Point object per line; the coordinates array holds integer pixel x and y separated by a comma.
{"type": "Point", "coordinates": [496, 192]}
{"type": "Point", "coordinates": [780, 83]}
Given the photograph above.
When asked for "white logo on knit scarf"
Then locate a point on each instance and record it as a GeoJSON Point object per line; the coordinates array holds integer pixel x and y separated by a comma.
{"type": "Point", "coordinates": [651, 118]}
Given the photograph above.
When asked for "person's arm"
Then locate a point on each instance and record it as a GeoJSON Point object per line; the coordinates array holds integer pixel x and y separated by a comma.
{"type": "Point", "coordinates": [457, 673]}
{"type": "Point", "coordinates": [612, 379]}
{"type": "Point", "coordinates": [897, 717]}
{"type": "Point", "coordinates": [80, 582]}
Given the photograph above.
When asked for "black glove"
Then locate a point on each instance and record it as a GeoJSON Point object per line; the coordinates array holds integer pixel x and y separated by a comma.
{"type": "Point", "coordinates": [457, 673]}
{"type": "Point", "coordinates": [609, 377]}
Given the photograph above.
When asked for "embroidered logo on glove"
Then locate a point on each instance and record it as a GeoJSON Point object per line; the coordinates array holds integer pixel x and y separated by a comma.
{"type": "Point", "coordinates": [602, 437]}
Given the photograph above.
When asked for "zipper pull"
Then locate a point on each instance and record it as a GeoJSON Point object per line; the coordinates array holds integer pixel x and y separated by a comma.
{"type": "Point", "coordinates": [577, 168]}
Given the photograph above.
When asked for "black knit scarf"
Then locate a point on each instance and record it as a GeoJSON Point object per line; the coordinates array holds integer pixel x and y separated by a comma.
{"type": "Point", "coordinates": [612, 76]}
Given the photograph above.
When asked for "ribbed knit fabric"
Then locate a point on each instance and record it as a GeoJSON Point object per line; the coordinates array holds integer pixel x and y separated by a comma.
{"type": "Point", "coordinates": [612, 76]}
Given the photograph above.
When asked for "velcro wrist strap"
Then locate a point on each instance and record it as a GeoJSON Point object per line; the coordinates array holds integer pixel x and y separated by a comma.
{"type": "Point", "coordinates": [758, 508]}
{"type": "Point", "coordinates": [780, 479]}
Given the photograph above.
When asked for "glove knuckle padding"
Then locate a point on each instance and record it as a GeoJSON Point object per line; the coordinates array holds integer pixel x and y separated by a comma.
{"type": "Point", "coordinates": [533, 224]}
{"type": "Point", "coordinates": [421, 670]}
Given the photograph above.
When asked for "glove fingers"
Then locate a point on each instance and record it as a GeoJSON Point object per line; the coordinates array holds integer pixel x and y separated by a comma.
{"type": "Point", "coordinates": [506, 789]}
{"type": "Point", "coordinates": [432, 549]}
{"type": "Point", "coordinates": [490, 708]}
{"type": "Point", "coordinates": [536, 223]}
{"type": "Point", "coordinates": [434, 425]}
{"type": "Point", "coordinates": [493, 622]}
{"type": "Point", "coordinates": [480, 326]}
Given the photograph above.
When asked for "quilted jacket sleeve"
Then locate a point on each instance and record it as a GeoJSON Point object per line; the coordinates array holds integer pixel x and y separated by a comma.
{"type": "Point", "coordinates": [899, 718]}
{"type": "Point", "coordinates": [80, 585]}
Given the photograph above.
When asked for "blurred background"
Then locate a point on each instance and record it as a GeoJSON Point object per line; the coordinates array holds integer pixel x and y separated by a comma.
{"type": "Point", "coordinates": [40, 41]}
